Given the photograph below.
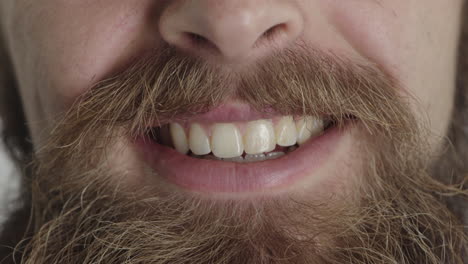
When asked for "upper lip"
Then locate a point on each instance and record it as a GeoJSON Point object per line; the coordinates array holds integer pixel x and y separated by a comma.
{"type": "Point", "coordinates": [234, 111]}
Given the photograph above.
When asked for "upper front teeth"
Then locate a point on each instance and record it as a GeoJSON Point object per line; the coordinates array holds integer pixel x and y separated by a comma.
{"type": "Point", "coordinates": [226, 141]}
{"type": "Point", "coordinates": [230, 140]}
{"type": "Point", "coordinates": [259, 137]}
{"type": "Point", "coordinates": [199, 142]}
{"type": "Point", "coordinates": [286, 132]}
{"type": "Point", "coordinates": [179, 139]}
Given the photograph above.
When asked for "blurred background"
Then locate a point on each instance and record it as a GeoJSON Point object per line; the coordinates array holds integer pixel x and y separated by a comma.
{"type": "Point", "coordinates": [8, 184]}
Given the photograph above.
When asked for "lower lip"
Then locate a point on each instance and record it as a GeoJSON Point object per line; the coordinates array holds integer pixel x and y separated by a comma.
{"type": "Point", "coordinates": [202, 175]}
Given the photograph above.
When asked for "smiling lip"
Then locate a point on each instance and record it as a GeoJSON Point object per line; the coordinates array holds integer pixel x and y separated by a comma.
{"type": "Point", "coordinates": [221, 176]}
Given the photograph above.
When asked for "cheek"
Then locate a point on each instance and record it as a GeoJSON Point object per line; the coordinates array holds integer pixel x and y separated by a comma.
{"type": "Point", "coordinates": [413, 43]}
{"type": "Point", "coordinates": [63, 48]}
{"type": "Point", "coordinates": [372, 29]}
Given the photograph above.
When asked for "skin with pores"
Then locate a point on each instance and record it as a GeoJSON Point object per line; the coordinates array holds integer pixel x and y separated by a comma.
{"type": "Point", "coordinates": [396, 58]}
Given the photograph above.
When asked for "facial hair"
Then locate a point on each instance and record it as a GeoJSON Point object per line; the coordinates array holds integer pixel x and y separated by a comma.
{"type": "Point", "coordinates": [394, 214]}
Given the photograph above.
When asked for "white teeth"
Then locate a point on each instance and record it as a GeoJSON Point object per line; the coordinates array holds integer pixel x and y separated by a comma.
{"type": "Point", "coordinates": [258, 140]}
{"type": "Point", "coordinates": [308, 127]}
{"type": "Point", "coordinates": [286, 132]}
{"type": "Point", "coordinates": [254, 157]}
{"type": "Point", "coordinates": [226, 141]}
{"type": "Point", "coordinates": [235, 159]}
{"type": "Point", "coordinates": [274, 155]}
{"type": "Point", "coordinates": [198, 140]}
{"type": "Point", "coordinates": [259, 137]}
{"type": "Point", "coordinates": [179, 139]}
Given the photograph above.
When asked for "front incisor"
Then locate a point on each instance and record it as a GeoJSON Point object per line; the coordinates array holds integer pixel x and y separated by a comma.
{"type": "Point", "coordinates": [259, 137]}
{"type": "Point", "coordinates": [226, 141]}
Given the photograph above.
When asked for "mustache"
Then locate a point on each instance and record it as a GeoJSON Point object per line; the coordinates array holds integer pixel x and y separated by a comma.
{"type": "Point", "coordinates": [167, 84]}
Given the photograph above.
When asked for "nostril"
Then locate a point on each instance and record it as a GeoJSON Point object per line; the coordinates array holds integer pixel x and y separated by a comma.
{"type": "Point", "coordinates": [197, 41]}
{"type": "Point", "coordinates": [272, 34]}
{"type": "Point", "coordinates": [195, 38]}
{"type": "Point", "coordinates": [274, 30]}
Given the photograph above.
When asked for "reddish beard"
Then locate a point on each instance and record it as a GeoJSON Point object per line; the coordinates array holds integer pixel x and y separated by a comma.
{"type": "Point", "coordinates": [82, 213]}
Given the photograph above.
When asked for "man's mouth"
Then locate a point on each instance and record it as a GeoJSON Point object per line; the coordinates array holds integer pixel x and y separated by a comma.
{"type": "Point", "coordinates": [238, 154]}
{"type": "Point", "coordinates": [252, 141]}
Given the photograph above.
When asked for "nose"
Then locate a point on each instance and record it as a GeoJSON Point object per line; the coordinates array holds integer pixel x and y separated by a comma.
{"type": "Point", "coordinates": [230, 29]}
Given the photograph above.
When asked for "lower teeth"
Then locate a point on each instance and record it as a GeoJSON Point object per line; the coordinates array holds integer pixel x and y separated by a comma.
{"type": "Point", "coordinates": [248, 157]}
